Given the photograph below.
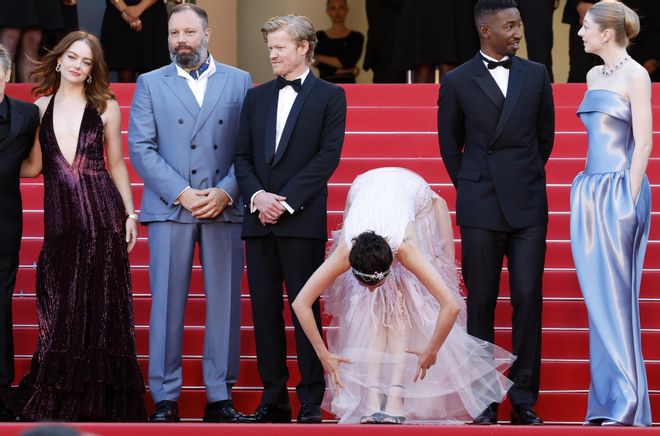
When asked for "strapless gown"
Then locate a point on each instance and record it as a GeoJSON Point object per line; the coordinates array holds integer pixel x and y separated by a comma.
{"type": "Point", "coordinates": [85, 366]}
{"type": "Point", "coordinates": [466, 377]}
{"type": "Point", "coordinates": [609, 233]}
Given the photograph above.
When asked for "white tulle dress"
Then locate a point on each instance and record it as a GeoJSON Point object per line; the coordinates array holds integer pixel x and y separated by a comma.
{"type": "Point", "coordinates": [373, 328]}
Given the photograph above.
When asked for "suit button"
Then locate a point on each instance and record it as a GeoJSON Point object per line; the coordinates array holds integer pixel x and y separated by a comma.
{"type": "Point", "coordinates": [193, 146]}
{"type": "Point", "coordinates": [194, 172]}
{"type": "Point", "coordinates": [215, 147]}
{"type": "Point", "coordinates": [490, 152]}
{"type": "Point", "coordinates": [220, 121]}
{"type": "Point", "coordinates": [217, 171]}
{"type": "Point", "coordinates": [180, 121]}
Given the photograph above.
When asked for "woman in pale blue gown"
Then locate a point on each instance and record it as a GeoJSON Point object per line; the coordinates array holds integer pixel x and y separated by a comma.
{"type": "Point", "coordinates": [610, 216]}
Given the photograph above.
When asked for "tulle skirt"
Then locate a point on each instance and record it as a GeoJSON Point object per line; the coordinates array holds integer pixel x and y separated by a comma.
{"type": "Point", "coordinates": [374, 330]}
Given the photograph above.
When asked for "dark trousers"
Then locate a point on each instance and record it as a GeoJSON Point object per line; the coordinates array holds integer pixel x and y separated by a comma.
{"type": "Point", "coordinates": [270, 261]}
{"type": "Point", "coordinates": [483, 252]}
{"type": "Point", "coordinates": [8, 269]}
{"type": "Point", "coordinates": [537, 21]}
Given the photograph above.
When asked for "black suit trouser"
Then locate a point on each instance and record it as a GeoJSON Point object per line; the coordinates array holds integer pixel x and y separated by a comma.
{"type": "Point", "coordinates": [270, 261]}
{"type": "Point", "coordinates": [580, 62]}
{"type": "Point", "coordinates": [8, 269]}
{"type": "Point", "coordinates": [537, 21]}
{"type": "Point", "coordinates": [483, 252]}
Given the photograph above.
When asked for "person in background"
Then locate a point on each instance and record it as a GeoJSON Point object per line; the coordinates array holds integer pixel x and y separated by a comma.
{"type": "Point", "coordinates": [18, 121]}
{"type": "Point", "coordinates": [580, 62]}
{"type": "Point", "coordinates": [537, 19]}
{"type": "Point", "coordinates": [382, 16]}
{"type": "Point", "coordinates": [134, 36]}
{"type": "Point", "coordinates": [339, 48]}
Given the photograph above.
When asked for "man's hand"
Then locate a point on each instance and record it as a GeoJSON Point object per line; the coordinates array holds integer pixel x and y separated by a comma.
{"type": "Point", "coordinates": [210, 203]}
{"type": "Point", "coordinates": [268, 205]}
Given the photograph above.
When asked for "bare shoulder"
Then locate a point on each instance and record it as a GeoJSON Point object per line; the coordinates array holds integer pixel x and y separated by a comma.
{"type": "Point", "coordinates": [593, 74]}
{"type": "Point", "coordinates": [42, 103]}
{"type": "Point", "coordinates": [112, 111]}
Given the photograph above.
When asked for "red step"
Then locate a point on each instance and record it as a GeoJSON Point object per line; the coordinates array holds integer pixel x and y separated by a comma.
{"type": "Point", "coordinates": [556, 313]}
{"type": "Point", "coordinates": [557, 343]}
{"type": "Point", "coordinates": [557, 283]}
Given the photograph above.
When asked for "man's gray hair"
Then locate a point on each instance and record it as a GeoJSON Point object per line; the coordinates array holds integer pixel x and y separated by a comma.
{"type": "Point", "coordinates": [299, 28]}
{"type": "Point", "coordinates": [5, 59]}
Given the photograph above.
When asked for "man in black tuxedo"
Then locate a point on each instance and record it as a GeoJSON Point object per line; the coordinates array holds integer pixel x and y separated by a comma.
{"type": "Point", "coordinates": [18, 121]}
{"type": "Point", "coordinates": [289, 143]}
{"type": "Point", "coordinates": [496, 131]}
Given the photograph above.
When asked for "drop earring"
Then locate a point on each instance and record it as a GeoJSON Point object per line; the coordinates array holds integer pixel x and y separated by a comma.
{"type": "Point", "coordinates": [89, 79]}
{"type": "Point", "coordinates": [58, 68]}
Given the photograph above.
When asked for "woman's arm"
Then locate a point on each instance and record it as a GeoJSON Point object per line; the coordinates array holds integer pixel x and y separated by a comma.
{"type": "Point", "coordinates": [323, 277]}
{"type": "Point", "coordinates": [32, 165]}
{"type": "Point", "coordinates": [414, 260]}
{"type": "Point", "coordinates": [117, 168]}
{"type": "Point", "coordinates": [639, 92]}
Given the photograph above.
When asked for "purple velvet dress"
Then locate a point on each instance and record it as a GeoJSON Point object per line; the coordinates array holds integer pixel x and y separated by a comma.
{"type": "Point", "coordinates": [85, 366]}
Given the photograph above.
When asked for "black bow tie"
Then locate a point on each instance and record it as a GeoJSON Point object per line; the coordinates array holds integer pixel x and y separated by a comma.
{"type": "Point", "coordinates": [295, 84]}
{"type": "Point", "coordinates": [506, 63]}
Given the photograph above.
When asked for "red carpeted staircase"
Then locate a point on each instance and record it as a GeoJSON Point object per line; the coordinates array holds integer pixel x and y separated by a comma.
{"type": "Point", "coordinates": [388, 125]}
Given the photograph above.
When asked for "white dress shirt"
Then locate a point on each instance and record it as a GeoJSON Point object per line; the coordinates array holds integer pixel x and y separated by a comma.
{"type": "Point", "coordinates": [198, 87]}
{"type": "Point", "coordinates": [500, 74]}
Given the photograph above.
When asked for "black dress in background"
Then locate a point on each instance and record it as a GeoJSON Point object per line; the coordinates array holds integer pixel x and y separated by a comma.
{"type": "Point", "coordinates": [28, 14]}
{"type": "Point", "coordinates": [347, 50]}
{"type": "Point", "coordinates": [432, 32]}
{"type": "Point", "coordinates": [126, 49]}
{"type": "Point", "coordinates": [85, 366]}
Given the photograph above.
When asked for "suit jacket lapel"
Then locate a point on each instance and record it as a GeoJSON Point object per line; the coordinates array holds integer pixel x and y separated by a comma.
{"type": "Point", "coordinates": [15, 124]}
{"type": "Point", "coordinates": [305, 91]}
{"type": "Point", "coordinates": [486, 82]}
{"type": "Point", "coordinates": [271, 123]}
{"type": "Point", "coordinates": [181, 90]}
{"type": "Point", "coordinates": [216, 83]}
{"type": "Point", "coordinates": [514, 89]}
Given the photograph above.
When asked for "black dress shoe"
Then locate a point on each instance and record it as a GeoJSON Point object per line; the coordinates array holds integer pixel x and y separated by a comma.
{"type": "Point", "coordinates": [166, 411]}
{"type": "Point", "coordinates": [488, 416]}
{"type": "Point", "coordinates": [6, 415]}
{"type": "Point", "coordinates": [275, 413]}
{"type": "Point", "coordinates": [221, 411]}
{"type": "Point", "coordinates": [309, 414]}
{"type": "Point", "coordinates": [525, 415]}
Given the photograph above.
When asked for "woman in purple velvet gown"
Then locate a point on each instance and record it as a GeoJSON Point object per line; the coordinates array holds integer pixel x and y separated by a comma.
{"type": "Point", "coordinates": [85, 366]}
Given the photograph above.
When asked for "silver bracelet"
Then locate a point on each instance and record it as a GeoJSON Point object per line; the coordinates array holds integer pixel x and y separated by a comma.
{"type": "Point", "coordinates": [133, 216]}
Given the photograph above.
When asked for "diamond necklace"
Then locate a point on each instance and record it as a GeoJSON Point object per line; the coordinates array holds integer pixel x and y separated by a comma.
{"type": "Point", "coordinates": [607, 73]}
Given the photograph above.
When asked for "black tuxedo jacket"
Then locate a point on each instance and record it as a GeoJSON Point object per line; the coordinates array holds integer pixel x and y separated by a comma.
{"type": "Point", "coordinates": [13, 150]}
{"type": "Point", "coordinates": [308, 154]}
{"type": "Point", "coordinates": [494, 148]}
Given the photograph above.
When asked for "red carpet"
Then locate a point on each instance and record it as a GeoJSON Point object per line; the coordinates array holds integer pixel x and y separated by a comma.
{"type": "Point", "coordinates": [388, 125]}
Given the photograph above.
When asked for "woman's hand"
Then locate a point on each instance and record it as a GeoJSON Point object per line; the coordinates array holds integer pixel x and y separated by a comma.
{"type": "Point", "coordinates": [131, 233]}
{"type": "Point", "coordinates": [331, 366]}
{"type": "Point", "coordinates": [425, 360]}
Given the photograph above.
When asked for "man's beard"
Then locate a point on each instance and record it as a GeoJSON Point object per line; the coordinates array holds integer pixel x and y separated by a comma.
{"type": "Point", "coordinates": [188, 60]}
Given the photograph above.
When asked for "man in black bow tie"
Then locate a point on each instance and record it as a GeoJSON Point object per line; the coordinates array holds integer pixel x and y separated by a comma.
{"type": "Point", "coordinates": [18, 121]}
{"type": "Point", "coordinates": [496, 131]}
{"type": "Point", "coordinates": [289, 143]}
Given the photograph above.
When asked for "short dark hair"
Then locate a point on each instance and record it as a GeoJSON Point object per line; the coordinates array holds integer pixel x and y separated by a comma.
{"type": "Point", "coordinates": [201, 13]}
{"type": "Point", "coordinates": [370, 254]}
{"type": "Point", "coordinates": [489, 7]}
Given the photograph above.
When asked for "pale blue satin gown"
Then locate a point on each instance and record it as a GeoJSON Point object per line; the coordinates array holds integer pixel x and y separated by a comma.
{"type": "Point", "coordinates": [609, 233]}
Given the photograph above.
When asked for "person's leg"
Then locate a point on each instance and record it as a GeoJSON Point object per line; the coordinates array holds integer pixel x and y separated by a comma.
{"type": "Point", "coordinates": [221, 255]}
{"type": "Point", "coordinates": [300, 258]}
{"type": "Point", "coordinates": [265, 282]}
{"type": "Point", "coordinates": [29, 54]}
{"type": "Point", "coordinates": [396, 346]}
{"type": "Point", "coordinates": [9, 38]}
{"type": "Point", "coordinates": [580, 62]}
{"type": "Point", "coordinates": [537, 20]}
{"type": "Point", "coordinates": [526, 257]}
{"type": "Point", "coordinates": [126, 76]}
{"type": "Point", "coordinates": [171, 248]}
{"type": "Point", "coordinates": [8, 270]}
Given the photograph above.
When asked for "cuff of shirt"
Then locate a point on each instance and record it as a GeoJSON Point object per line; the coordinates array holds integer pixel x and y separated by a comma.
{"type": "Point", "coordinates": [177, 202]}
{"type": "Point", "coordinates": [231, 200]}
{"type": "Point", "coordinates": [253, 208]}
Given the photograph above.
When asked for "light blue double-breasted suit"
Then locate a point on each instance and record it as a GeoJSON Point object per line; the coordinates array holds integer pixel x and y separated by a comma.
{"type": "Point", "coordinates": [175, 143]}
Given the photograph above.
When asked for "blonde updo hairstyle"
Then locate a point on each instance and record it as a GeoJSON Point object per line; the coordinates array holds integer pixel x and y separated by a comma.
{"type": "Point", "coordinates": [612, 14]}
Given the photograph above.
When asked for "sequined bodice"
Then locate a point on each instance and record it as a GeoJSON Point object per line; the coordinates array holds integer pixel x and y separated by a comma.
{"type": "Point", "coordinates": [607, 117]}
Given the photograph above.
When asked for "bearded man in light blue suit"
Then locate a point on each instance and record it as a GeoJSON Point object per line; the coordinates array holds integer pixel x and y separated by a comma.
{"type": "Point", "coordinates": [181, 135]}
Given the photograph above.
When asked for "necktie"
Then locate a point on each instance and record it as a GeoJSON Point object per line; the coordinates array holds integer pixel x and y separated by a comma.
{"type": "Point", "coordinates": [295, 84]}
{"type": "Point", "coordinates": [493, 64]}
